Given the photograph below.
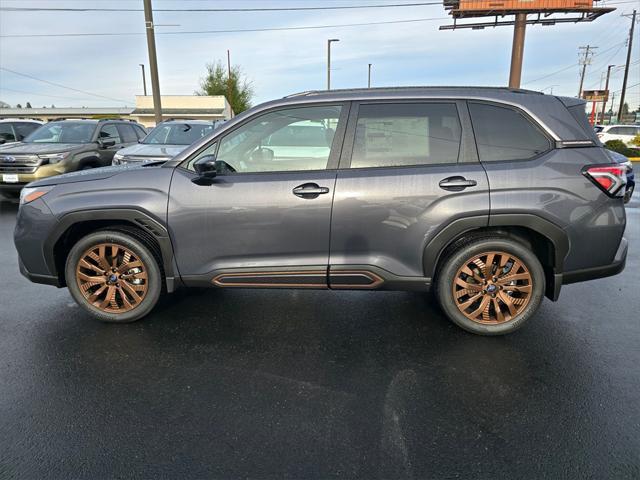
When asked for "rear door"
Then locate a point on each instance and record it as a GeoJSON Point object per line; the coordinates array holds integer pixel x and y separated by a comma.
{"type": "Point", "coordinates": [407, 171]}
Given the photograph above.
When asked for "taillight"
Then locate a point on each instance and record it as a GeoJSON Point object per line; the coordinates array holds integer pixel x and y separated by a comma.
{"type": "Point", "coordinates": [610, 179]}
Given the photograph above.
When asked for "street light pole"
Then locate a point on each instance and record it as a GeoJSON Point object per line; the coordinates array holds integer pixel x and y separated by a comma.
{"type": "Point", "coordinates": [153, 61]}
{"type": "Point", "coordinates": [626, 67]}
{"type": "Point", "coordinates": [144, 80]}
{"type": "Point", "coordinates": [329, 61]}
{"type": "Point", "coordinates": [517, 50]}
{"type": "Point", "coordinates": [369, 77]}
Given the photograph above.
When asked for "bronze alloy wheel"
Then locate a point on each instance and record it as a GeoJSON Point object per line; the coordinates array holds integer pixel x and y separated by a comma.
{"type": "Point", "coordinates": [112, 278]}
{"type": "Point", "coordinates": [492, 288]}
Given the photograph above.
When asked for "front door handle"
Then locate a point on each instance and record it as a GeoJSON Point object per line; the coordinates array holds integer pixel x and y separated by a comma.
{"type": "Point", "coordinates": [456, 184]}
{"type": "Point", "coordinates": [309, 190]}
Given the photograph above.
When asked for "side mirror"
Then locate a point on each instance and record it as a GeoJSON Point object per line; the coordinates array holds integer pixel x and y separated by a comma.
{"type": "Point", "coordinates": [2, 140]}
{"type": "Point", "coordinates": [106, 143]}
{"type": "Point", "coordinates": [206, 169]}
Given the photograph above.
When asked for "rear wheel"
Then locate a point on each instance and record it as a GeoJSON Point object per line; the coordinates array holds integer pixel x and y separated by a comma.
{"type": "Point", "coordinates": [113, 276]}
{"type": "Point", "coordinates": [491, 285]}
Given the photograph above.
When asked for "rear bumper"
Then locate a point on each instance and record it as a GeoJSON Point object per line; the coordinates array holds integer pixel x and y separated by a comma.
{"type": "Point", "coordinates": [615, 267]}
{"type": "Point", "coordinates": [37, 278]}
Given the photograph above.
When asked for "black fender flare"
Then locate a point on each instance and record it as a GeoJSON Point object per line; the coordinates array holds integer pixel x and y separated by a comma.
{"type": "Point", "coordinates": [555, 234]}
{"type": "Point", "coordinates": [139, 218]}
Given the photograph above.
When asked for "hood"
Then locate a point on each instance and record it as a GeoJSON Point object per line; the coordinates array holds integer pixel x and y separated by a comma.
{"type": "Point", "coordinates": [88, 175]}
{"type": "Point", "coordinates": [39, 148]}
{"type": "Point", "coordinates": [151, 150]}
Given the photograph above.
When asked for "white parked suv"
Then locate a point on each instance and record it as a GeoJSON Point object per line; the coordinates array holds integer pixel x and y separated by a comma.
{"type": "Point", "coordinates": [15, 129]}
{"type": "Point", "coordinates": [618, 132]}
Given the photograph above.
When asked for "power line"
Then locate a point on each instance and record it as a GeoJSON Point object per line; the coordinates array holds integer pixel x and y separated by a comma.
{"type": "Point", "coordinates": [61, 86]}
{"type": "Point", "coordinates": [240, 30]}
{"type": "Point", "coordinates": [3, 89]}
{"type": "Point", "coordinates": [247, 9]}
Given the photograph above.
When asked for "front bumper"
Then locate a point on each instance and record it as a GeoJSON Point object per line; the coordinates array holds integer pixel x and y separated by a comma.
{"type": "Point", "coordinates": [38, 278]}
{"type": "Point", "coordinates": [41, 172]}
{"type": "Point", "coordinates": [613, 268]}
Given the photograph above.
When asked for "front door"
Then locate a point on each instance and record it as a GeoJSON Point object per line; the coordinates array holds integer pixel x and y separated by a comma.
{"type": "Point", "coordinates": [265, 220]}
{"type": "Point", "coordinates": [408, 170]}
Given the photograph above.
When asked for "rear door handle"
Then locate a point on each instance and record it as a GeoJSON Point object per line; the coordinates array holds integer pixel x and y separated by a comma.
{"type": "Point", "coordinates": [309, 190]}
{"type": "Point", "coordinates": [456, 184]}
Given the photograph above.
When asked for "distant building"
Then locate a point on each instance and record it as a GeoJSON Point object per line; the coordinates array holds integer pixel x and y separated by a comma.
{"type": "Point", "coordinates": [173, 106]}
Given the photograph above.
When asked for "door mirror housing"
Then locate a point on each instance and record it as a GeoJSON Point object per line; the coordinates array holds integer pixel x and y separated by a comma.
{"type": "Point", "coordinates": [206, 168]}
{"type": "Point", "coordinates": [106, 143]}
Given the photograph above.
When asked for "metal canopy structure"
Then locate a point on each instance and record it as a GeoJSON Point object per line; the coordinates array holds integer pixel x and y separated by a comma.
{"type": "Point", "coordinates": [543, 12]}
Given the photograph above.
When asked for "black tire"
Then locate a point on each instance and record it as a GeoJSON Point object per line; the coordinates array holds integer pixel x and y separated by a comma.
{"type": "Point", "coordinates": [468, 249]}
{"type": "Point", "coordinates": [135, 245]}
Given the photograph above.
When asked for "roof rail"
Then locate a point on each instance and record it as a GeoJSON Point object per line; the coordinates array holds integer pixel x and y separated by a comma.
{"type": "Point", "coordinates": [57, 119]}
{"type": "Point", "coordinates": [413, 87]}
{"type": "Point", "coordinates": [117, 119]}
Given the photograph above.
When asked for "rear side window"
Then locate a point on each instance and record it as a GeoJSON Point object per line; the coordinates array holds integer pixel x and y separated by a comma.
{"type": "Point", "coordinates": [127, 134]}
{"type": "Point", "coordinates": [23, 129]}
{"type": "Point", "coordinates": [505, 134]}
{"type": "Point", "coordinates": [404, 134]}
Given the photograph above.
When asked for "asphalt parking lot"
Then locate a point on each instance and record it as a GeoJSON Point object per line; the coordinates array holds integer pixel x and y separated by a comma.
{"type": "Point", "coordinates": [265, 383]}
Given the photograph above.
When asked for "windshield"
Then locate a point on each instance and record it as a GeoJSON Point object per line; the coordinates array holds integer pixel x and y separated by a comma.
{"type": "Point", "coordinates": [62, 132]}
{"type": "Point", "coordinates": [177, 134]}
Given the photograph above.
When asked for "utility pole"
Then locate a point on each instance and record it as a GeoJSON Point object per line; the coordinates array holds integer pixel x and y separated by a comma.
{"type": "Point", "coordinates": [369, 77]}
{"type": "Point", "coordinates": [606, 89]}
{"type": "Point", "coordinates": [229, 81]}
{"type": "Point", "coordinates": [584, 61]}
{"type": "Point", "coordinates": [144, 80]}
{"type": "Point", "coordinates": [329, 61]}
{"type": "Point", "coordinates": [626, 67]}
{"type": "Point", "coordinates": [517, 50]}
{"type": "Point", "coordinates": [153, 61]}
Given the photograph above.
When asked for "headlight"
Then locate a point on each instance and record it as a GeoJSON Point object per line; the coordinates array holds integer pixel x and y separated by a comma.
{"type": "Point", "coordinates": [118, 159]}
{"type": "Point", "coordinates": [54, 157]}
{"type": "Point", "coordinates": [29, 194]}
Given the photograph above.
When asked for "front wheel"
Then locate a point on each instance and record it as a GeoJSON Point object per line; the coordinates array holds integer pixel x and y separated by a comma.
{"type": "Point", "coordinates": [113, 276]}
{"type": "Point", "coordinates": [490, 285]}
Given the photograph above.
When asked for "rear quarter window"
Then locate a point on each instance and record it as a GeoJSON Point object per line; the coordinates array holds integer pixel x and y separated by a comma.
{"type": "Point", "coordinates": [503, 133]}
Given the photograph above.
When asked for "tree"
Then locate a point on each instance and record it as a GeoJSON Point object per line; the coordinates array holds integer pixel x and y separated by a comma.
{"type": "Point", "coordinates": [28, 105]}
{"type": "Point", "coordinates": [238, 90]}
{"type": "Point", "coordinates": [18, 106]}
{"type": "Point", "coordinates": [53, 106]}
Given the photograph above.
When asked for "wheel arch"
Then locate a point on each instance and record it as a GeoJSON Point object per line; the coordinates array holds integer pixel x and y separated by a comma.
{"type": "Point", "coordinates": [75, 225]}
{"type": "Point", "coordinates": [547, 240]}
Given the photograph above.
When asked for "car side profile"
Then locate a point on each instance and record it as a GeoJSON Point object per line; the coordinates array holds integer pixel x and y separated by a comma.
{"type": "Point", "coordinates": [64, 146]}
{"type": "Point", "coordinates": [493, 198]}
{"type": "Point", "coordinates": [624, 133]}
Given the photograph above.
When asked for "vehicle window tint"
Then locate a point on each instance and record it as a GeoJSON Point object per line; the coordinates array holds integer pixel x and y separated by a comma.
{"type": "Point", "coordinates": [406, 134]}
{"type": "Point", "coordinates": [6, 132]}
{"type": "Point", "coordinates": [615, 131]}
{"type": "Point", "coordinates": [140, 131]}
{"type": "Point", "coordinates": [505, 134]}
{"type": "Point", "coordinates": [110, 132]}
{"type": "Point", "coordinates": [127, 133]}
{"type": "Point", "coordinates": [286, 140]}
{"type": "Point", "coordinates": [24, 129]}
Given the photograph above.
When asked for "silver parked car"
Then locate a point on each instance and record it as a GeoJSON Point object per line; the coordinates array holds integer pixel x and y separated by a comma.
{"type": "Point", "coordinates": [165, 141]}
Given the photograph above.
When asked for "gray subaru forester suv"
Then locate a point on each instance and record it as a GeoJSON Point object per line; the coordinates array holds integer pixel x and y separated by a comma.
{"type": "Point", "coordinates": [493, 198]}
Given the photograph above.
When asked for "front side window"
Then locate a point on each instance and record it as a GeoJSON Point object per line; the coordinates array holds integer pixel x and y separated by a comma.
{"type": "Point", "coordinates": [505, 134]}
{"type": "Point", "coordinates": [63, 132]}
{"type": "Point", "coordinates": [404, 134]}
{"type": "Point", "coordinates": [110, 132]}
{"type": "Point", "coordinates": [127, 133]}
{"type": "Point", "coordinates": [285, 140]}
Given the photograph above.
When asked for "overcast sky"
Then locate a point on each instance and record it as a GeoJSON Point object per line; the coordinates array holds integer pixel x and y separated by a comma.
{"type": "Point", "coordinates": [282, 62]}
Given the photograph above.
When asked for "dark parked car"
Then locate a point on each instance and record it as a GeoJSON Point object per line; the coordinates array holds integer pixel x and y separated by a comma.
{"type": "Point", "coordinates": [493, 197]}
{"type": "Point", "coordinates": [631, 177]}
{"type": "Point", "coordinates": [63, 146]}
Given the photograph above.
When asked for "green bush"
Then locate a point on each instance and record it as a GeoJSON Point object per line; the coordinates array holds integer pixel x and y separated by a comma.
{"type": "Point", "coordinates": [621, 147]}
